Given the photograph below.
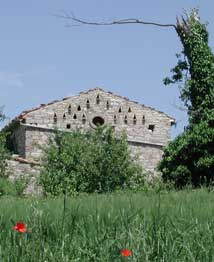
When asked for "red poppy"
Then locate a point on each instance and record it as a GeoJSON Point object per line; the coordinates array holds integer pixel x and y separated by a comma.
{"type": "Point", "coordinates": [126, 253]}
{"type": "Point", "coordinates": [21, 227]}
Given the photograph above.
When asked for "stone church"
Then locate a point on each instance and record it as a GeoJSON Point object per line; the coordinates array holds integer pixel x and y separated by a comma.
{"type": "Point", "coordinates": [147, 129]}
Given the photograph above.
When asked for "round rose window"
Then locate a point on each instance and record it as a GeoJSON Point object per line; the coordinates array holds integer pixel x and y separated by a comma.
{"type": "Point", "coordinates": [98, 121]}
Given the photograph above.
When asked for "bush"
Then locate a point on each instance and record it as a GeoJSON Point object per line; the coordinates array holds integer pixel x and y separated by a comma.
{"type": "Point", "coordinates": [12, 188]}
{"type": "Point", "coordinates": [3, 153]}
{"type": "Point", "coordinates": [19, 185]}
{"type": "Point", "coordinates": [6, 187]}
{"type": "Point", "coordinates": [189, 159]}
{"type": "Point", "coordinates": [92, 162]}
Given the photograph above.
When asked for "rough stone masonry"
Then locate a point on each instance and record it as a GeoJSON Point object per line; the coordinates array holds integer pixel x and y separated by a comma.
{"type": "Point", "coordinates": [147, 129]}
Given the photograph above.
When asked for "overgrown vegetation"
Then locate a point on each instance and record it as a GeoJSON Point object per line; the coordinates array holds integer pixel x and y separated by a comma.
{"type": "Point", "coordinates": [3, 149]}
{"type": "Point", "coordinates": [173, 226]}
{"type": "Point", "coordinates": [190, 157]}
{"type": "Point", "coordinates": [12, 188]}
{"type": "Point", "coordinates": [93, 162]}
{"type": "Point", "coordinates": [8, 187]}
{"type": "Point", "coordinates": [3, 154]}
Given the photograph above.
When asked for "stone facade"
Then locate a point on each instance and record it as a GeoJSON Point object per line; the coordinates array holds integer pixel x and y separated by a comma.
{"type": "Point", "coordinates": [147, 129]}
{"type": "Point", "coordinates": [20, 168]}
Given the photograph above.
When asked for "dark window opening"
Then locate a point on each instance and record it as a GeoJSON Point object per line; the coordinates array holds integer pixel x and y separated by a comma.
{"type": "Point", "coordinates": [115, 119]}
{"type": "Point", "coordinates": [143, 120]}
{"type": "Point", "coordinates": [78, 108]}
{"type": "Point", "coordinates": [107, 105]}
{"type": "Point", "coordinates": [134, 120]}
{"type": "Point", "coordinates": [98, 99]}
{"type": "Point", "coordinates": [55, 118]}
{"type": "Point", "coordinates": [24, 121]}
{"type": "Point", "coordinates": [75, 116]}
{"type": "Point", "coordinates": [98, 121]}
{"type": "Point", "coordinates": [64, 117]}
{"type": "Point", "coordinates": [68, 126]}
{"type": "Point", "coordinates": [129, 111]}
{"type": "Point", "coordinates": [87, 104]}
{"type": "Point", "coordinates": [83, 119]}
{"type": "Point", "coordinates": [151, 127]}
{"type": "Point", "coordinates": [125, 120]}
{"type": "Point", "coordinates": [69, 109]}
{"type": "Point", "coordinates": [120, 110]}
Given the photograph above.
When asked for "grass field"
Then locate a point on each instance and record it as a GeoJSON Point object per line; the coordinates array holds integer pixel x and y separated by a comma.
{"type": "Point", "coordinates": [174, 226]}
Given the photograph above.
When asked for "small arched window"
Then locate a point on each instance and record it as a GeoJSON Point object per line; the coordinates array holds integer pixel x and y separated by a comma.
{"type": "Point", "coordinates": [143, 120]}
{"type": "Point", "coordinates": [98, 100]}
{"type": "Point", "coordinates": [64, 117]}
{"type": "Point", "coordinates": [120, 110]}
{"type": "Point", "coordinates": [83, 119]}
{"type": "Point", "coordinates": [87, 104]}
{"type": "Point", "coordinates": [55, 118]}
{"type": "Point", "coordinates": [69, 109]}
{"type": "Point", "coordinates": [115, 119]}
{"type": "Point", "coordinates": [129, 110]}
{"type": "Point", "coordinates": [107, 105]}
{"type": "Point", "coordinates": [125, 120]}
{"type": "Point", "coordinates": [75, 116]}
{"type": "Point", "coordinates": [79, 108]}
{"type": "Point", "coordinates": [134, 120]}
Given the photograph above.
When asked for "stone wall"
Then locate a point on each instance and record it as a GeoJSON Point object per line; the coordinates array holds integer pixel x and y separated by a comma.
{"type": "Point", "coordinates": [140, 122]}
{"type": "Point", "coordinates": [20, 168]}
{"type": "Point", "coordinates": [148, 155]}
{"type": "Point", "coordinates": [36, 139]}
{"type": "Point", "coordinates": [147, 129]}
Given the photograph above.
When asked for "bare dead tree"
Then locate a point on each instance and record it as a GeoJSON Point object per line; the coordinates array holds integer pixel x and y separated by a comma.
{"type": "Point", "coordinates": [74, 21]}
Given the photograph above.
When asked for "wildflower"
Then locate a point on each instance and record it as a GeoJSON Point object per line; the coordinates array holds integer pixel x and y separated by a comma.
{"type": "Point", "coordinates": [21, 227]}
{"type": "Point", "coordinates": [126, 253]}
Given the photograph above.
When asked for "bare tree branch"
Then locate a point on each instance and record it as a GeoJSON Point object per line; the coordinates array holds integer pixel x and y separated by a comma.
{"type": "Point", "coordinates": [77, 22]}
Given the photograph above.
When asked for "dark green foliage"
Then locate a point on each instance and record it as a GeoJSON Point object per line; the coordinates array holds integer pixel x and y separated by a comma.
{"type": "Point", "coordinates": [2, 115]}
{"type": "Point", "coordinates": [6, 186]}
{"type": "Point", "coordinates": [96, 161]}
{"type": "Point", "coordinates": [3, 153]}
{"type": "Point", "coordinates": [3, 150]}
{"type": "Point", "coordinates": [190, 157]}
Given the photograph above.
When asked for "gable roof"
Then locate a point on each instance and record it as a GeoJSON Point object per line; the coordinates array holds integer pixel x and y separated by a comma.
{"type": "Point", "coordinates": [24, 113]}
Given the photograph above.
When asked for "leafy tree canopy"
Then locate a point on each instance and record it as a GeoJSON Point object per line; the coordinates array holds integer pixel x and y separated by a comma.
{"type": "Point", "coordinates": [190, 157]}
{"type": "Point", "coordinates": [96, 161]}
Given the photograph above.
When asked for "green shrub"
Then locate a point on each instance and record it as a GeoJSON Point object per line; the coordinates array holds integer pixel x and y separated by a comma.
{"type": "Point", "coordinates": [12, 188]}
{"type": "Point", "coordinates": [6, 187]}
{"type": "Point", "coordinates": [189, 159]}
{"type": "Point", "coordinates": [92, 162]}
{"type": "Point", "coordinates": [20, 184]}
{"type": "Point", "coordinates": [3, 153]}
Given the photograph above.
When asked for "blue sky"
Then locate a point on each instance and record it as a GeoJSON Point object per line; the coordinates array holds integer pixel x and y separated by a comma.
{"type": "Point", "coordinates": [43, 60]}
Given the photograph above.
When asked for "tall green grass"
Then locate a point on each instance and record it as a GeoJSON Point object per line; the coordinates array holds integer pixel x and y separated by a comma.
{"type": "Point", "coordinates": [174, 226]}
